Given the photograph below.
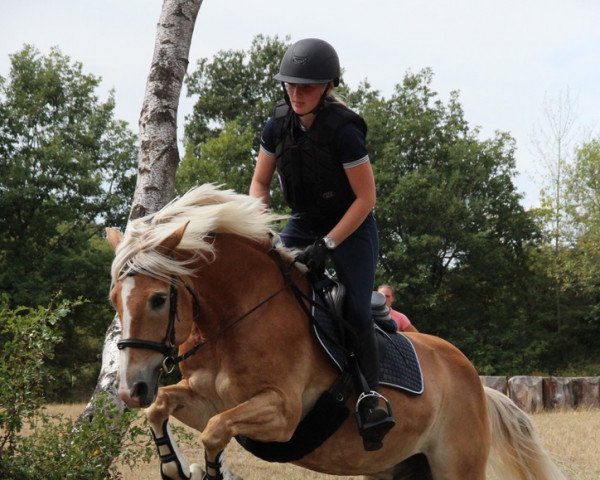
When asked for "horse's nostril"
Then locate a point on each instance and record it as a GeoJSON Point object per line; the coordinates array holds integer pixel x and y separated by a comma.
{"type": "Point", "coordinates": [139, 390]}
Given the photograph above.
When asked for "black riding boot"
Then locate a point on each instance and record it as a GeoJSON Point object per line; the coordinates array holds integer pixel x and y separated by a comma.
{"type": "Point", "coordinates": [373, 412]}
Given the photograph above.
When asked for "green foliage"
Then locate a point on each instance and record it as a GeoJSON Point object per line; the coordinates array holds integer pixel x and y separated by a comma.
{"type": "Point", "coordinates": [567, 266]}
{"type": "Point", "coordinates": [58, 447]}
{"type": "Point", "coordinates": [236, 94]}
{"type": "Point", "coordinates": [226, 159]}
{"type": "Point", "coordinates": [453, 233]}
{"type": "Point", "coordinates": [234, 85]}
{"type": "Point", "coordinates": [583, 210]}
{"type": "Point", "coordinates": [63, 155]}
{"type": "Point", "coordinates": [28, 337]}
{"type": "Point", "coordinates": [63, 448]}
{"type": "Point", "coordinates": [66, 171]}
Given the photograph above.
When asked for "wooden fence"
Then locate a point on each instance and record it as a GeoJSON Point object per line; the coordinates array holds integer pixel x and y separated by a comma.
{"type": "Point", "coordinates": [534, 394]}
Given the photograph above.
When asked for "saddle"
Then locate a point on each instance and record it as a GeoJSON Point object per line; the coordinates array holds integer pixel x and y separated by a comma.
{"type": "Point", "coordinates": [399, 369]}
{"type": "Point", "coordinates": [334, 296]}
{"type": "Point", "coordinates": [399, 365]}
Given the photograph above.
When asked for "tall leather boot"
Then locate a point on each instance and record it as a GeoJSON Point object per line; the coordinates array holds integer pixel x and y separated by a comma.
{"type": "Point", "coordinates": [373, 412]}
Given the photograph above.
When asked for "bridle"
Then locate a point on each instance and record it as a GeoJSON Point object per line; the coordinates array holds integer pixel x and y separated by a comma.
{"type": "Point", "coordinates": [168, 347]}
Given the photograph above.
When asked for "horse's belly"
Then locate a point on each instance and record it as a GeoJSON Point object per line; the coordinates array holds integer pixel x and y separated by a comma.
{"type": "Point", "coordinates": [344, 454]}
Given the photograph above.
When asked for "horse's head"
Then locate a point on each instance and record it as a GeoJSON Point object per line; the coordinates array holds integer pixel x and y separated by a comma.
{"type": "Point", "coordinates": [156, 316]}
{"type": "Point", "coordinates": [153, 268]}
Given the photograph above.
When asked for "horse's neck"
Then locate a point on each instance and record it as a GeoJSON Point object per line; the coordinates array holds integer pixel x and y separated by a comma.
{"type": "Point", "coordinates": [250, 306]}
{"type": "Point", "coordinates": [242, 275]}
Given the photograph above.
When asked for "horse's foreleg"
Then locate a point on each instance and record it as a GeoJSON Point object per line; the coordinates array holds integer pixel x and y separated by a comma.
{"type": "Point", "coordinates": [172, 463]}
{"type": "Point", "coordinates": [267, 417]}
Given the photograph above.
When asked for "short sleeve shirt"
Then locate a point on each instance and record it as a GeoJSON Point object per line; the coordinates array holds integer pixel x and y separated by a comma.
{"type": "Point", "coordinates": [401, 320]}
{"type": "Point", "coordinates": [348, 144]}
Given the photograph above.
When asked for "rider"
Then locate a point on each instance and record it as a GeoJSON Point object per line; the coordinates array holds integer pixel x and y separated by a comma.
{"type": "Point", "coordinates": [317, 146]}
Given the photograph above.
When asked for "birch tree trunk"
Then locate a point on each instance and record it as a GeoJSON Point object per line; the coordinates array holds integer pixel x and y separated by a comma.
{"type": "Point", "coordinates": [158, 153]}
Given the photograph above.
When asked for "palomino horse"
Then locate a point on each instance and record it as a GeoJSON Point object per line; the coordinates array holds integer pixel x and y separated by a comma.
{"type": "Point", "coordinates": [201, 275]}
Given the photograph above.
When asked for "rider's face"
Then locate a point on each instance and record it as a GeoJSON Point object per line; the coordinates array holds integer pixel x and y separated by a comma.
{"type": "Point", "coordinates": [304, 97]}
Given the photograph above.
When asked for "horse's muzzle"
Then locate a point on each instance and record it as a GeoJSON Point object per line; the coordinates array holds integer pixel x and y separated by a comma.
{"type": "Point", "coordinates": [140, 394]}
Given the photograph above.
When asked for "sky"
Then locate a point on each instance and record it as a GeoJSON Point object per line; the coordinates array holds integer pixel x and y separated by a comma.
{"type": "Point", "coordinates": [507, 58]}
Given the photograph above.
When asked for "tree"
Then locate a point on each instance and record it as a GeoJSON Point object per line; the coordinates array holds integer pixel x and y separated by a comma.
{"type": "Point", "coordinates": [234, 85]}
{"type": "Point", "coordinates": [453, 235]}
{"type": "Point", "coordinates": [582, 206]}
{"type": "Point", "coordinates": [226, 159]}
{"type": "Point", "coordinates": [66, 168]}
{"type": "Point", "coordinates": [236, 94]}
{"type": "Point", "coordinates": [581, 259]}
{"type": "Point", "coordinates": [158, 154]}
{"type": "Point", "coordinates": [554, 145]}
{"type": "Point", "coordinates": [567, 257]}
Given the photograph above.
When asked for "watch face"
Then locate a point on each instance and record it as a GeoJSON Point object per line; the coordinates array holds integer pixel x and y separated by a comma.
{"type": "Point", "coordinates": [329, 243]}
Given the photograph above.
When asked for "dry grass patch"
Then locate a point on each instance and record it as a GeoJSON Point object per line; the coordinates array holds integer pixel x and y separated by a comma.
{"type": "Point", "coordinates": [573, 439]}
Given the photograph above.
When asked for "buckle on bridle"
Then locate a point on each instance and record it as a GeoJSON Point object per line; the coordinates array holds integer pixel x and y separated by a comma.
{"type": "Point", "coordinates": [168, 364]}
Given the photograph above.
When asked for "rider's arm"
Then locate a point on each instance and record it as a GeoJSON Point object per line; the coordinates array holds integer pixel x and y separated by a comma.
{"type": "Point", "coordinates": [263, 174]}
{"type": "Point", "coordinates": [363, 185]}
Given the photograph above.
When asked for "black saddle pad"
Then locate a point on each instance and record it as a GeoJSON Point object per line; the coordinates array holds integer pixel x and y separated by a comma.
{"type": "Point", "coordinates": [398, 362]}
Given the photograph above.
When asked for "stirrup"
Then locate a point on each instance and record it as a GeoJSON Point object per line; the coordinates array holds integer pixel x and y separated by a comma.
{"type": "Point", "coordinates": [377, 421]}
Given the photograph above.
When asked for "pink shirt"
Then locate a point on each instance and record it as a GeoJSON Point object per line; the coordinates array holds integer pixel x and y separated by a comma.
{"type": "Point", "coordinates": [401, 320]}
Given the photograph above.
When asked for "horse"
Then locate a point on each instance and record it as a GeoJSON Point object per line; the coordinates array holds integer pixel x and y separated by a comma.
{"type": "Point", "coordinates": [200, 284]}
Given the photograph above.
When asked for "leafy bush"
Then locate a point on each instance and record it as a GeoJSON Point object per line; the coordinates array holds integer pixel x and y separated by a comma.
{"type": "Point", "coordinates": [28, 337]}
{"type": "Point", "coordinates": [56, 448]}
{"type": "Point", "coordinates": [61, 448]}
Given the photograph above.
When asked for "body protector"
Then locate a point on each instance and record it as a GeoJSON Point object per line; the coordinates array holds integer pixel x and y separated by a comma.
{"type": "Point", "coordinates": [312, 177]}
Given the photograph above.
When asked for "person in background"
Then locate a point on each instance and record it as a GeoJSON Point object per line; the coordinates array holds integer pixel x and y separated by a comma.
{"type": "Point", "coordinates": [402, 321]}
{"type": "Point", "coordinates": [317, 146]}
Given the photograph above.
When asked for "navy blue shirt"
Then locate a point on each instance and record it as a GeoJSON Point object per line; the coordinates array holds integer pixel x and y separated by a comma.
{"type": "Point", "coordinates": [348, 143]}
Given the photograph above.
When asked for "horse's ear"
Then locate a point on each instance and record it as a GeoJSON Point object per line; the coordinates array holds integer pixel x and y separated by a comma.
{"type": "Point", "coordinates": [170, 243]}
{"type": "Point", "coordinates": [114, 237]}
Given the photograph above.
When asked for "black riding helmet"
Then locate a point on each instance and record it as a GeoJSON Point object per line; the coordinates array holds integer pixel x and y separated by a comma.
{"type": "Point", "coordinates": [310, 60]}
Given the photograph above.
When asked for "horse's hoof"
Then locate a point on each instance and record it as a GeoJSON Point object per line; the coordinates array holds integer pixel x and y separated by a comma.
{"type": "Point", "coordinates": [199, 475]}
{"type": "Point", "coordinates": [231, 476]}
{"type": "Point", "coordinates": [196, 472]}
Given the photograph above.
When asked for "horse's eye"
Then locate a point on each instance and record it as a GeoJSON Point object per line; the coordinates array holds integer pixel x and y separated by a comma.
{"type": "Point", "coordinates": [157, 301]}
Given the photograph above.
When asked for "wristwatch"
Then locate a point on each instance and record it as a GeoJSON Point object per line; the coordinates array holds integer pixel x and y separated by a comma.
{"type": "Point", "coordinates": [329, 242]}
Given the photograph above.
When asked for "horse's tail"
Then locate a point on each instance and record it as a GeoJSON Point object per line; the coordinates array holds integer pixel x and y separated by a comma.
{"type": "Point", "coordinates": [516, 452]}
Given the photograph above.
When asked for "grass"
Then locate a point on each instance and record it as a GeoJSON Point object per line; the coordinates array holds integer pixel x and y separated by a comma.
{"type": "Point", "coordinates": [572, 437]}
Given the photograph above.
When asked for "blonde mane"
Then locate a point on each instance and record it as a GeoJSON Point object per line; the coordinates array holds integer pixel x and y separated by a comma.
{"type": "Point", "coordinates": [208, 210]}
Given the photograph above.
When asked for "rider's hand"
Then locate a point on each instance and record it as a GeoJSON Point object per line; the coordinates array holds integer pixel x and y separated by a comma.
{"type": "Point", "coordinates": [314, 256]}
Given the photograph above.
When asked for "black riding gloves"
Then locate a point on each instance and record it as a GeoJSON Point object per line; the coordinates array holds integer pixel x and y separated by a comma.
{"type": "Point", "coordinates": [314, 256]}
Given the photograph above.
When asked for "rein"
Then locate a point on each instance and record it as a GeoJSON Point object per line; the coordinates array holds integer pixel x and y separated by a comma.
{"type": "Point", "coordinates": [168, 346]}
{"type": "Point", "coordinates": [172, 361]}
